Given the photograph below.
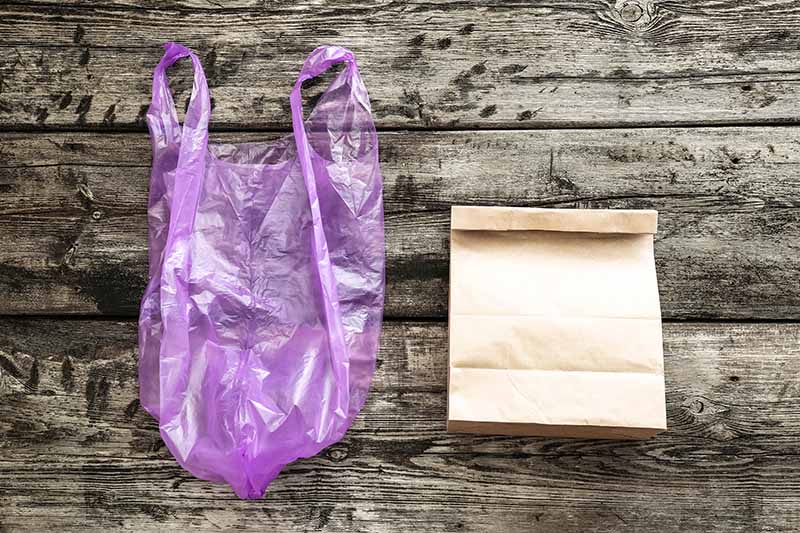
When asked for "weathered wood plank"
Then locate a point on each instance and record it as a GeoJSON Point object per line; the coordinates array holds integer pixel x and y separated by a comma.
{"type": "Point", "coordinates": [77, 453]}
{"type": "Point", "coordinates": [73, 206]}
{"type": "Point", "coordinates": [439, 64]}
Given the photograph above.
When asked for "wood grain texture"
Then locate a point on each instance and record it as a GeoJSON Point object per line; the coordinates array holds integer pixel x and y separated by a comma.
{"type": "Point", "coordinates": [439, 64]}
{"type": "Point", "coordinates": [77, 452]}
{"type": "Point", "coordinates": [73, 211]}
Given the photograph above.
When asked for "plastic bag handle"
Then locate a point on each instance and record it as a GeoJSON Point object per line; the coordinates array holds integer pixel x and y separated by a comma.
{"type": "Point", "coordinates": [189, 172]}
{"type": "Point", "coordinates": [318, 62]}
{"type": "Point", "coordinates": [193, 135]}
{"type": "Point", "coordinates": [162, 106]}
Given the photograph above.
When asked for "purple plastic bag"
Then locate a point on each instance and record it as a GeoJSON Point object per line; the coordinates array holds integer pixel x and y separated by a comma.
{"type": "Point", "coordinates": [260, 323]}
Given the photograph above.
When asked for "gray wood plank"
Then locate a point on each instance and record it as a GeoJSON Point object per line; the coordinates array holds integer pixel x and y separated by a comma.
{"type": "Point", "coordinates": [438, 64]}
{"type": "Point", "coordinates": [77, 453]}
{"type": "Point", "coordinates": [73, 211]}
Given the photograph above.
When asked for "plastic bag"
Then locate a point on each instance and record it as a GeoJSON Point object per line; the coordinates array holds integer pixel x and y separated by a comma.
{"type": "Point", "coordinates": [260, 322]}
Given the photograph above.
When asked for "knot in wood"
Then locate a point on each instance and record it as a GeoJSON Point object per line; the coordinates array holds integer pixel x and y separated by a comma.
{"type": "Point", "coordinates": [631, 12]}
{"type": "Point", "coordinates": [634, 12]}
{"type": "Point", "coordinates": [694, 405]}
{"type": "Point", "coordinates": [338, 453]}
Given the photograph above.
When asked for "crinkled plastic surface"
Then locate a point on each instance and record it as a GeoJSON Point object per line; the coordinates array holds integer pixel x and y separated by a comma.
{"type": "Point", "coordinates": [259, 326]}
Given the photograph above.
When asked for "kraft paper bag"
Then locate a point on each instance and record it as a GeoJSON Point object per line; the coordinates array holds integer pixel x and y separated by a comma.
{"type": "Point", "coordinates": [555, 323]}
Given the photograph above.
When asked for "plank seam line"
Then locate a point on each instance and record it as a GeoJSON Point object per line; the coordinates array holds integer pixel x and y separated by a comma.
{"type": "Point", "coordinates": [531, 127]}
{"type": "Point", "coordinates": [389, 319]}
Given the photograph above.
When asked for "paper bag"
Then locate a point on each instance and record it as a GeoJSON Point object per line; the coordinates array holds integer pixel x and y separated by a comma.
{"type": "Point", "coordinates": [555, 323]}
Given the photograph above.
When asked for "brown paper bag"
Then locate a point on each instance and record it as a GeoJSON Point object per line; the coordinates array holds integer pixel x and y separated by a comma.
{"type": "Point", "coordinates": [555, 323]}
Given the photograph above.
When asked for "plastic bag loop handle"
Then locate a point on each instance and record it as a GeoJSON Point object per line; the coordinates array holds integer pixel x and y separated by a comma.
{"type": "Point", "coordinates": [189, 172]}
{"type": "Point", "coordinates": [194, 133]}
{"type": "Point", "coordinates": [318, 62]}
{"type": "Point", "coordinates": [162, 106]}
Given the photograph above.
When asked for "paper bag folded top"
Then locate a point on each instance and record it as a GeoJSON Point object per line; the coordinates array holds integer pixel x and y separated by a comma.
{"type": "Point", "coordinates": [555, 323]}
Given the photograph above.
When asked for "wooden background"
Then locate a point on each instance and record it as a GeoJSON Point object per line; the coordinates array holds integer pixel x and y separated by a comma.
{"type": "Point", "coordinates": [685, 107]}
